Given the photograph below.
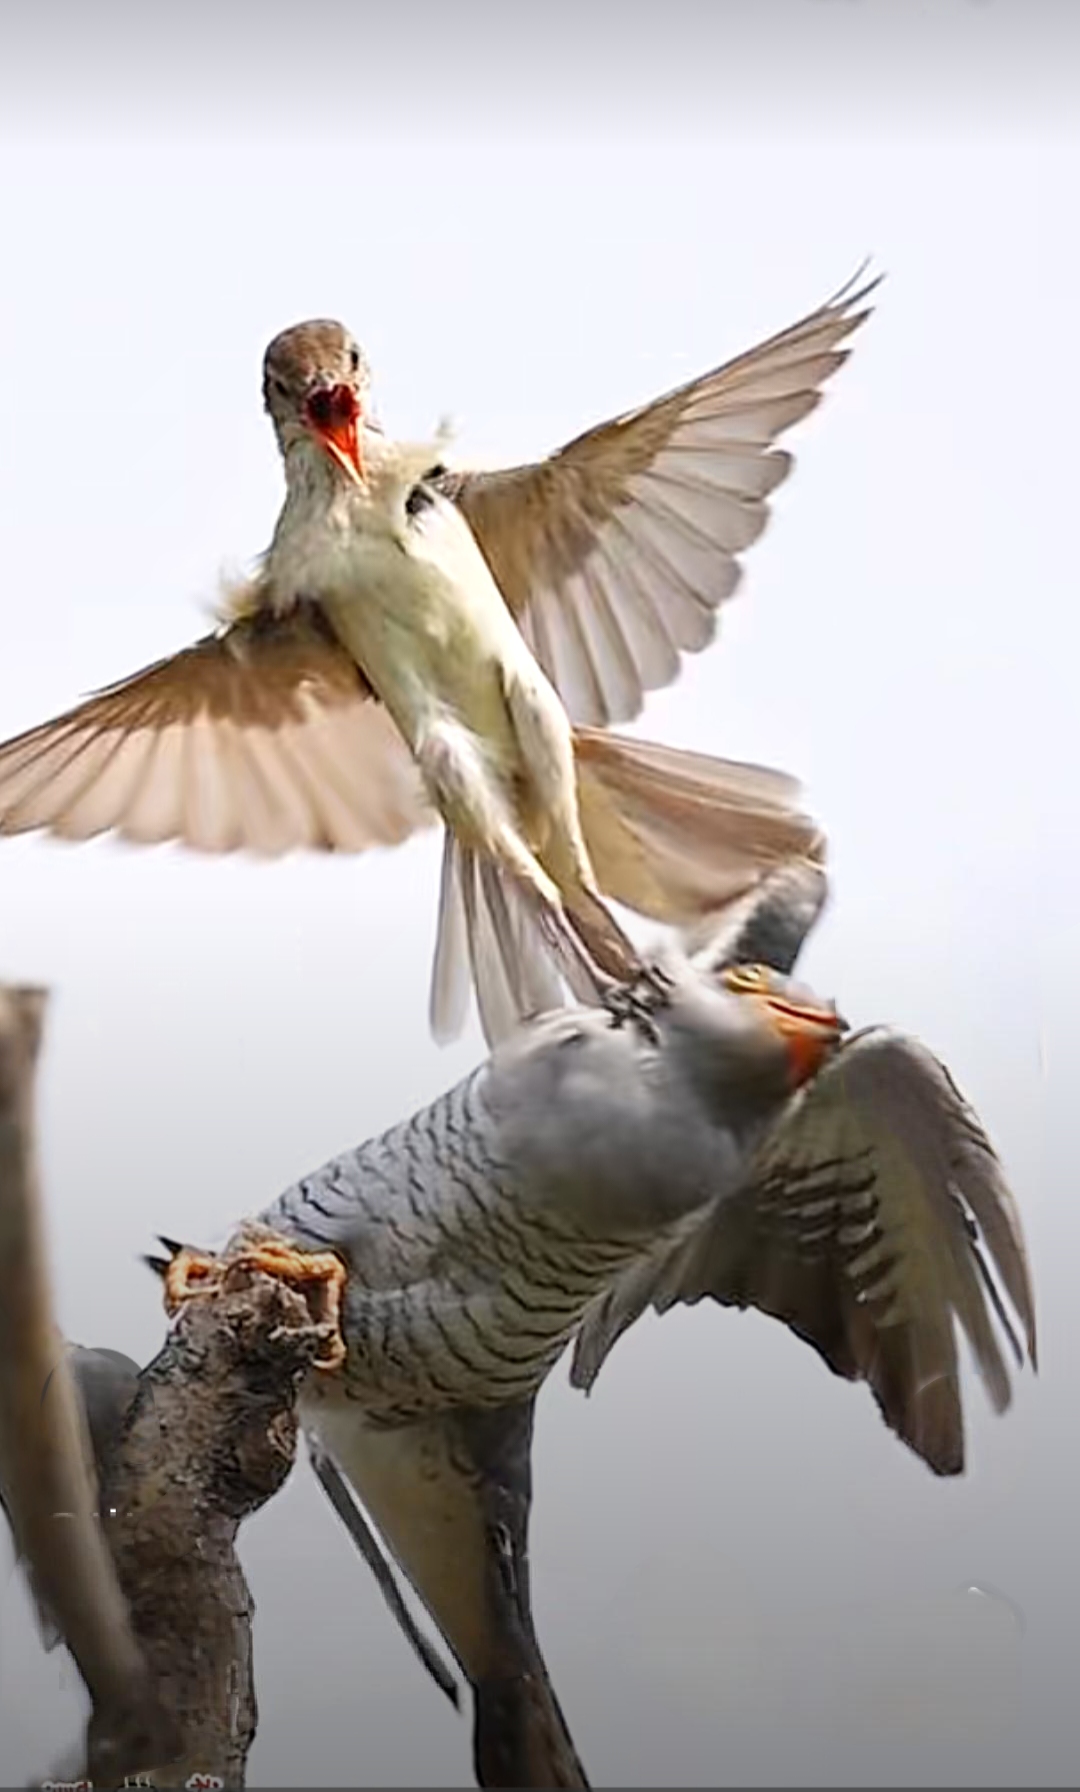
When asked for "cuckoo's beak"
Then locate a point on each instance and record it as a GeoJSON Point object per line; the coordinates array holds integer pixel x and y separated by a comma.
{"type": "Point", "coordinates": [810, 1029]}
{"type": "Point", "coordinates": [332, 414]}
{"type": "Point", "coordinates": [811, 1034]}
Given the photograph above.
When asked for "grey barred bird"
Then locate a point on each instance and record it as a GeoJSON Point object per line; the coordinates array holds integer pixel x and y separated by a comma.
{"type": "Point", "coordinates": [719, 1139]}
{"type": "Point", "coordinates": [418, 641]}
{"type": "Point", "coordinates": [104, 1383]}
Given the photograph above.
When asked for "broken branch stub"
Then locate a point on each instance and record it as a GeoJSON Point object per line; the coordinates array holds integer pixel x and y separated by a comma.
{"type": "Point", "coordinates": [210, 1436]}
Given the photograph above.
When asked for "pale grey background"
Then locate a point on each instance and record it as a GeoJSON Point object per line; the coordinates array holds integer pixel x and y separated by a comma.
{"type": "Point", "coordinates": [533, 222]}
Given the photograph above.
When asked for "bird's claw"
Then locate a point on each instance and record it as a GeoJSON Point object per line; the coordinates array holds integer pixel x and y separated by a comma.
{"type": "Point", "coordinates": [189, 1274]}
{"type": "Point", "coordinates": [635, 1003]}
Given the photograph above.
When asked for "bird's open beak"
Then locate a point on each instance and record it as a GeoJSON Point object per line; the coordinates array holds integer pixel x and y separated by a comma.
{"type": "Point", "coordinates": [332, 414]}
{"type": "Point", "coordinates": [811, 1035]}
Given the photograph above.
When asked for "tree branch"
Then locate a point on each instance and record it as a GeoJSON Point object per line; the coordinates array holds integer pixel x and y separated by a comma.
{"type": "Point", "coordinates": [151, 1599]}
{"type": "Point", "coordinates": [44, 1449]}
{"type": "Point", "coordinates": [210, 1436]}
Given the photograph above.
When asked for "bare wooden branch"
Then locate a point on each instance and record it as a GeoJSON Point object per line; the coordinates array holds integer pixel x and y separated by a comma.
{"type": "Point", "coordinates": [44, 1451]}
{"type": "Point", "coordinates": [210, 1436]}
{"type": "Point", "coordinates": [137, 1562]}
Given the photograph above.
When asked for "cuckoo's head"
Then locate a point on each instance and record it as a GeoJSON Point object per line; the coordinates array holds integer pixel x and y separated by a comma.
{"type": "Point", "coordinates": [798, 1025]}
{"type": "Point", "coordinates": [316, 385]}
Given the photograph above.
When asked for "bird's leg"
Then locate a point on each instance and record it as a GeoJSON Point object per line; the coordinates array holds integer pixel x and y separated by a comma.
{"type": "Point", "coordinates": [571, 951]}
{"type": "Point", "coordinates": [549, 814]}
{"type": "Point", "coordinates": [604, 940]}
{"type": "Point", "coordinates": [322, 1274]}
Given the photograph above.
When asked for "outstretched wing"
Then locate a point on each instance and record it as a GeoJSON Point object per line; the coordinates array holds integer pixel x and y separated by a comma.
{"type": "Point", "coordinates": [615, 553]}
{"type": "Point", "coordinates": [874, 1217]}
{"type": "Point", "coordinates": [263, 736]}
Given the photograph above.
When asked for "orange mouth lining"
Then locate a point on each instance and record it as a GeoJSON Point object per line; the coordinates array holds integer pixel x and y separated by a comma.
{"type": "Point", "coordinates": [333, 417]}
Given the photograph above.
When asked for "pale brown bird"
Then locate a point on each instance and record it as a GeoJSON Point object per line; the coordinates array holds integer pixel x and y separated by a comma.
{"type": "Point", "coordinates": [417, 639]}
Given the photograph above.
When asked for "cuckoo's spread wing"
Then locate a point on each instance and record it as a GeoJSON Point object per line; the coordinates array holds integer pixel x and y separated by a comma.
{"type": "Point", "coordinates": [263, 736]}
{"type": "Point", "coordinates": [874, 1218]}
{"type": "Point", "coordinates": [615, 553]}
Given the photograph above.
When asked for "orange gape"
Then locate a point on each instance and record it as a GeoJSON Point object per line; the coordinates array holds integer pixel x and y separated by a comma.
{"type": "Point", "coordinates": [190, 1274]}
{"type": "Point", "coordinates": [811, 1030]}
{"type": "Point", "coordinates": [333, 414]}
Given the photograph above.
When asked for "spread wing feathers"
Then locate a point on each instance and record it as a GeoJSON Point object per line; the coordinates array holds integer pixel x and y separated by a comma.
{"type": "Point", "coordinates": [263, 736]}
{"type": "Point", "coordinates": [874, 1216]}
{"type": "Point", "coordinates": [486, 926]}
{"type": "Point", "coordinates": [615, 553]}
{"type": "Point", "coordinates": [678, 836]}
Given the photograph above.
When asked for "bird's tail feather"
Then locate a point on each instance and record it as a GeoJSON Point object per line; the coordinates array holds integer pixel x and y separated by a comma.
{"type": "Point", "coordinates": [678, 836]}
{"type": "Point", "coordinates": [487, 925]}
{"type": "Point", "coordinates": [520, 1736]}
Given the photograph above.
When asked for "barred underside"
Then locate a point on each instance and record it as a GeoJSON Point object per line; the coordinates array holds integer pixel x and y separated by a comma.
{"type": "Point", "coordinates": [458, 1293]}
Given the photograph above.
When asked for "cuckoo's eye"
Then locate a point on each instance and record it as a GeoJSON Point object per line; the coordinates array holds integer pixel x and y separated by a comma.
{"type": "Point", "coordinates": [748, 979]}
{"type": "Point", "coordinates": [354, 358]}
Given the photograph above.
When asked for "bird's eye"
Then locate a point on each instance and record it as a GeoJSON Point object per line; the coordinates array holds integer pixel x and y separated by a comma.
{"type": "Point", "coordinates": [280, 388]}
{"type": "Point", "coordinates": [354, 358]}
{"type": "Point", "coordinates": [747, 979]}
{"type": "Point", "coordinates": [418, 500]}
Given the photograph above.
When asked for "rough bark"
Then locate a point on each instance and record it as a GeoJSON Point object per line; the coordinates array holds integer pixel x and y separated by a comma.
{"type": "Point", "coordinates": [210, 1436]}
{"type": "Point", "coordinates": [150, 1597]}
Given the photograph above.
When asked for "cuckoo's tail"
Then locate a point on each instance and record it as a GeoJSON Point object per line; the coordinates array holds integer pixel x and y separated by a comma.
{"type": "Point", "coordinates": [520, 1736]}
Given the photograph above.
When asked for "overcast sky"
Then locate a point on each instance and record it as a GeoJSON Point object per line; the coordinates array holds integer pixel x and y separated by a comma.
{"type": "Point", "coordinates": [739, 1575]}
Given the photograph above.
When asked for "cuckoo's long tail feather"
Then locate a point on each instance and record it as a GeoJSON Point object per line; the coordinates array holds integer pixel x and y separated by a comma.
{"type": "Point", "coordinates": [520, 1736]}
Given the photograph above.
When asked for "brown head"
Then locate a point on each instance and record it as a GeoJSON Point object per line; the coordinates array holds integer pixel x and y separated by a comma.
{"type": "Point", "coordinates": [316, 386]}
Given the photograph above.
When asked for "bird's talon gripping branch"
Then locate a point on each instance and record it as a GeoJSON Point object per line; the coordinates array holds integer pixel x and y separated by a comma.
{"type": "Point", "coordinates": [320, 1274]}
{"type": "Point", "coordinates": [188, 1273]}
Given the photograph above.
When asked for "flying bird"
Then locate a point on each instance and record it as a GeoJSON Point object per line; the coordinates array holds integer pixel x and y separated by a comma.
{"type": "Point", "coordinates": [734, 1142]}
{"type": "Point", "coordinates": [419, 641]}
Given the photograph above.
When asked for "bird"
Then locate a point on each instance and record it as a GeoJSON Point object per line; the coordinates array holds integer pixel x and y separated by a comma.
{"type": "Point", "coordinates": [420, 641]}
{"type": "Point", "coordinates": [105, 1382]}
{"type": "Point", "coordinates": [732, 1139]}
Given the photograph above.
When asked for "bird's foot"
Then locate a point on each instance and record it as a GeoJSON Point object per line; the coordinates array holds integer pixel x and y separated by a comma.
{"type": "Point", "coordinates": [635, 1003]}
{"type": "Point", "coordinates": [321, 1274]}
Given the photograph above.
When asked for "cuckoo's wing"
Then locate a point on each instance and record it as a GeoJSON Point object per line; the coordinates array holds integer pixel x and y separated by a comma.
{"type": "Point", "coordinates": [263, 736]}
{"type": "Point", "coordinates": [874, 1218]}
{"type": "Point", "coordinates": [105, 1382]}
{"type": "Point", "coordinates": [615, 553]}
{"type": "Point", "coordinates": [46, 1467]}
